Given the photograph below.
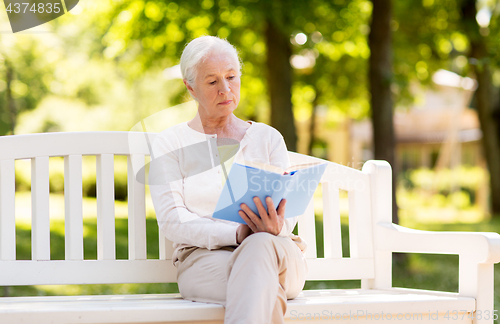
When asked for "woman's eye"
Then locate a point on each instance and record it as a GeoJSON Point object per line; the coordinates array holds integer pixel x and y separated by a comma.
{"type": "Point", "coordinates": [213, 82]}
{"type": "Point", "coordinates": [231, 77]}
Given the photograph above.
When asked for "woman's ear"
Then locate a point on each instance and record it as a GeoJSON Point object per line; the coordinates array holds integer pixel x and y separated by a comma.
{"type": "Point", "coordinates": [189, 87]}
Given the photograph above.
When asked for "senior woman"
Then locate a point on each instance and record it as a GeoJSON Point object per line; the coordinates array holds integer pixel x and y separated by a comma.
{"type": "Point", "coordinates": [253, 268]}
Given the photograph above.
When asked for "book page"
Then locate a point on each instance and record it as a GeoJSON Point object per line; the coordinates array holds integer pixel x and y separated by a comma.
{"type": "Point", "coordinates": [263, 166]}
{"type": "Point", "coordinates": [275, 169]}
{"type": "Point", "coordinates": [301, 166]}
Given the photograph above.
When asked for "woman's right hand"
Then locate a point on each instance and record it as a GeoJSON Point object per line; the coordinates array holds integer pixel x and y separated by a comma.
{"type": "Point", "coordinates": [271, 222]}
{"type": "Point", "coordinates": [242, 232]}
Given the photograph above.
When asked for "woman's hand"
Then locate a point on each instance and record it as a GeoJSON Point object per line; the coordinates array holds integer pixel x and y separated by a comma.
{"type": "Point", "coordinates": [271, 223]}
{"type": "Point", "coordinates": [242, 232]}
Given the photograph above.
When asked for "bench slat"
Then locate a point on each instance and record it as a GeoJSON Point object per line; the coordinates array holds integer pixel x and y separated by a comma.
{"type": "Point", "coordinates": [360, 229]}
{"type": "Point", "coordinates": [72, 143]}
{"type": "Point", "coordinates": [136, 208]}
{"type": "Point", "coordinates": [40, 218]}
{"type": "Point", "coordinates": [321, 306]}
{"type": "Point", "coordinates": [106, 249]}
{"type": "Point", "coordinates": [331, 221]}
{"type": "Point", "coordinates": [73, 222]}
{"type": "Point", "coordinates": [64, 272]}
{"type": "Point", "coordinates": [7, 210]}
{"type": "Point", "coordinates": [307, 230]}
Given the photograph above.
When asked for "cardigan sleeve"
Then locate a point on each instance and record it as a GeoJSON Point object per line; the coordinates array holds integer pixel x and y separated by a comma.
{"type": "Point", "coordinates": [175, 220]}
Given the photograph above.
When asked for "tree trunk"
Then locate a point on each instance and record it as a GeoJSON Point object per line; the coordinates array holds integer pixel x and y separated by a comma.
{"type": "Point", "coordinates": [479, 61]}
{"type": "Point", "coordinates": [496, 114]}
{"type": "Point", "coordinates": [380, 77]}
{"type": "Point", "coordinates": [11, 107]}
{"type": "Point", "coordinates": [279, 80]}
{"type": "Point", "coordinates": [312, 124]}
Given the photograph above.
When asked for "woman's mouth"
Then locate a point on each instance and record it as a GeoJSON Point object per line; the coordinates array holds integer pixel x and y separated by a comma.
{"type": "Point", "coordinates": [227, 102]}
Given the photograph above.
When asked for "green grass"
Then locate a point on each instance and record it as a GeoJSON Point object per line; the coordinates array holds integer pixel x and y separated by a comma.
{"type": "Point", "coordinates": [424, 271]}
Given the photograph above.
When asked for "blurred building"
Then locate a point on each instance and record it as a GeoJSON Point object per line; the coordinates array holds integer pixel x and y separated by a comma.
{"type": "Point", "coordinates": [439, 130]}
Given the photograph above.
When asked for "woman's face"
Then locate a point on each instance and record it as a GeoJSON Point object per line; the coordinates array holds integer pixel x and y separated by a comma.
{"type": "Point", "coordinates": [217, 86]}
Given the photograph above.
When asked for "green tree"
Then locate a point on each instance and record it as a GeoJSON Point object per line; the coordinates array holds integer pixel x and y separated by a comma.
{"type": "Point", "coordinates": [25, 74]}
{"type": "Point", "coordinates": [142, 35]}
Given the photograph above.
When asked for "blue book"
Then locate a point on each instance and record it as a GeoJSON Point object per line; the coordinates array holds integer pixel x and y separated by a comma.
{"type": "Point", "coordinates": [245, 182]}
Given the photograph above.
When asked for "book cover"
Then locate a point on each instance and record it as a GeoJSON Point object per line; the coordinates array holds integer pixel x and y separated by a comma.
{"type": "Point", "coordinates": [296, 184]}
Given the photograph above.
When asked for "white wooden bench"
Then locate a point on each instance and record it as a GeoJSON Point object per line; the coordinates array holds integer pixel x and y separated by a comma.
{"type": "Point", "coordinates": [372, 239]}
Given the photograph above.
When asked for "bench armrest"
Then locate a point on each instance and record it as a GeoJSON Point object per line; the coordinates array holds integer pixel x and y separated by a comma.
{"type": "Point", "coordinates": [477, 252]}
{"type": "Point", "coordinates": [482, 247]}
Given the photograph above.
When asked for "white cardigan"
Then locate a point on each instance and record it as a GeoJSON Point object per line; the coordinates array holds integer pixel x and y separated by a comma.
{"type": "Point", "coordinates": [185, 182]}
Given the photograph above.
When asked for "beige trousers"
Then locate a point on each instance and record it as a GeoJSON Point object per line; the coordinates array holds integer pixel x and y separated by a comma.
{"type": "Point", "coordinates": [252, 281]}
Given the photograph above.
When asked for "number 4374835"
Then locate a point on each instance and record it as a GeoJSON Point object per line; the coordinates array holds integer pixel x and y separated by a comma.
{"type": "Point", "coordinates": [34, 8]}
{"type": "Point", "coordinates": [478, 314]}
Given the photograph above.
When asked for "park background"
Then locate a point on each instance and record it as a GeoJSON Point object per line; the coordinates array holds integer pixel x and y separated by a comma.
{"type": "Point", "coordinates": [414, 82]}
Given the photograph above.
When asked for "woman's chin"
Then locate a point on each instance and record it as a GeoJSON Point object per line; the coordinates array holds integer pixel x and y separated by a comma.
{"type": "Point", "coordinates": [226, 110]}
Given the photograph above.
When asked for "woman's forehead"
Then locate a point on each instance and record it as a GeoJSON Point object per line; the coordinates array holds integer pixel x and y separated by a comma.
{"type": "Point", "coordinates": [218, 64]}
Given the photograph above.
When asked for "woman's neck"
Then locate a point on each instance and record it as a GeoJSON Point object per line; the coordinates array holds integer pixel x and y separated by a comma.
{"type": "Point", "coordinates": [211, 125]}
{"type": "Point", "coordinates": [227, 127]}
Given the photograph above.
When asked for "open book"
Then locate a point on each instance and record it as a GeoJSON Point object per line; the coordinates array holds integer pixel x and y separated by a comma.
{"type": "Point", "coordinates": [295, 184]}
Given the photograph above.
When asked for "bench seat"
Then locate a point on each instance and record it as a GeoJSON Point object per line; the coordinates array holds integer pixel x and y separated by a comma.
{"type": "Point", "coordinates": [329, 304]}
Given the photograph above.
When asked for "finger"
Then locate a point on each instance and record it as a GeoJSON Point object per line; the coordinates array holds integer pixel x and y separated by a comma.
{"type": "Point", "coordinates": [281, 208]}
{"type": "Point", "coordinates": [253, 217]}
{"type": "Point", "coordinates": [271, 209]}
{"type": "Point", "coordinates": [262, 210]}
{"type": "Point", "coordinates": [247, 220]}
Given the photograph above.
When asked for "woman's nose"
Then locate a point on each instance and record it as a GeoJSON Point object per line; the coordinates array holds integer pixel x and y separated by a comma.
{"type": "Point", "coordinates": [224, 87]}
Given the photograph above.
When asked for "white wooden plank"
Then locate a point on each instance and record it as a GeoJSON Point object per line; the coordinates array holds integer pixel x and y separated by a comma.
{"type": "Point", "coordinates": [7, 210]}
{"type": "Point", "coordinates": [482, 288]}
{"type": "Point", "coordinates": [72, 143]}
{"type": "Point", "coordinates": [40, 219]}
{"type": "Point", "coordinates": [73, 207]}
{"type": "Point", "coordinates": [166, 247]}
{"type": "Point", "coordinates": [150, 271]}
{"type": "Point", "coordinates": [136, 309]}
{"type": "Point", "coordinates": [380, 175]}
{"type": "Point", "coordinates": [307, 230]}
{"type": "Point", "coordinates": [106, 248]}
{"type": "Point", "coordinates": [375, 306]}
{"type": "Point", "coordinates": [331, 221]}
{"type": "Point", "coordinates": [65, 272]}
{"type": "Point", "coordinates": [162, 246]}
{"type": "Point", "coordinates": [360, 224]}
{"type": "Point", "coordinates": [323, 306]}
{"type": "Point", "coordinates": [136, 208]}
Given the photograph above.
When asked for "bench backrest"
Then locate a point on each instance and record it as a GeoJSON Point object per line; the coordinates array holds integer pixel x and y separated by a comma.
{"type": "Point", "coordinates": [138, 269]}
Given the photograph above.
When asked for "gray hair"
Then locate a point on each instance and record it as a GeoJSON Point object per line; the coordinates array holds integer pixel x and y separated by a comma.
{"type": "Point", "coordinates": [197, 50]}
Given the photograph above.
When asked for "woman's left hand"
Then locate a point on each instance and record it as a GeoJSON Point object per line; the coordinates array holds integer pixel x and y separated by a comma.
{"type": "Point", "coordinates": [271, 222]}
